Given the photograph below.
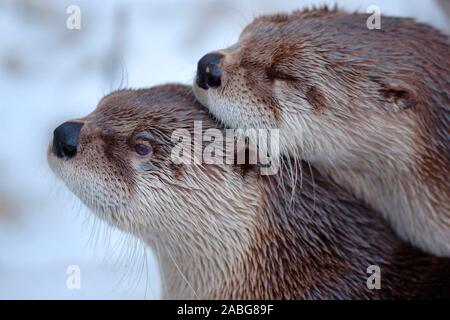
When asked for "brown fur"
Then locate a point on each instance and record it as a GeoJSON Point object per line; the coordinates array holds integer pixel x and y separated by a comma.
{"type": "Point", "coordinates": [225, 231]}
{"type": "Point", "coordinates": [370, 108]}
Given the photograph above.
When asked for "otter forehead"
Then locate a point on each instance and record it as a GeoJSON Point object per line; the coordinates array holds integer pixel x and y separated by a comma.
{"type": "Point", "coordinates": [345, 38]}
{"type": "Point", "coordinates": [165, 108]}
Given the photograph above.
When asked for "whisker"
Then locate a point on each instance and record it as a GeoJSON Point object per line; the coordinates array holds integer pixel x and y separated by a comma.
{"type": "Point", "coordinates": [182, 275]}
{"type": "Point", "coordinates": [314, 186]}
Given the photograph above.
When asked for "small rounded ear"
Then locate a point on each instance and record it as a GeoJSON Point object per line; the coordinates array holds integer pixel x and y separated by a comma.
{"type": "Point", "coordinates": [399, 94]}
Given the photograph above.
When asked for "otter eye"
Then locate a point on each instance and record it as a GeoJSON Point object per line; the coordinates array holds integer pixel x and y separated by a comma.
{"type": "Point", "coordinates": [142, 149]}
{"type": "Point", "coordinates": [275, 73]}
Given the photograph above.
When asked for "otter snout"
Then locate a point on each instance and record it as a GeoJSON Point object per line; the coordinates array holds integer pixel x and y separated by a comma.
{"type": "Point", "coordinates": [65, 139]}
{"type": "Point", "coordinates": [208, 71]}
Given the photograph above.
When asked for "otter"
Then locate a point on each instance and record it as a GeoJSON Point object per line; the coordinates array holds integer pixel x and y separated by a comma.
{"type": "Point", "coordinates": [368, 108]}
{"type": "Point", "coordinates": [224, 230]}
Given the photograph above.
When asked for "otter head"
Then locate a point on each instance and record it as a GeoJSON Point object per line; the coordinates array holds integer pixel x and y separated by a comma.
{"type": "Point", "coordinates": [340, 93]}
{"type": "Point", "coordinates": [368, 107]}
{"type": "Point", "coordinates": [119, 161]}
{"type": "Point", "coordinates": [219, 231]}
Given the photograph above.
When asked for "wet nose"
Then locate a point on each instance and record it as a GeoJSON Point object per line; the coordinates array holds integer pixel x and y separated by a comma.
{"type": "Point", "coordinates": [208, 71]}
{"type": "Point", "coordinates": [65, 139]}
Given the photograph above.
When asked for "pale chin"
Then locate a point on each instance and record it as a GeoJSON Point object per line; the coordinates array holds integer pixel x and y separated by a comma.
{"type": "Point", "coordinates": [201, 95]}
{"type": "Point", "coordinates": [53, 164]}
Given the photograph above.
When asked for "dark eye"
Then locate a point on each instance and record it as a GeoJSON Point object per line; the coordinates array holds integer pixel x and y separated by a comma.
{"type": "Point", "coordinates": [274, 72]}
{"type": "Point", "coordinates": [142, 149]}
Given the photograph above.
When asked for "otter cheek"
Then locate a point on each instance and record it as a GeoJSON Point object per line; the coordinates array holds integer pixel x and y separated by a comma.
{"type": "Point", "coordinates": [201, 95]}
{"type": "Point", "coordinates": [146, 167]}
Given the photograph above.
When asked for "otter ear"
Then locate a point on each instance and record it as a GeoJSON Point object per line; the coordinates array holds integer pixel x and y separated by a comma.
{"type": "Point", "coordinates": [398, 94]}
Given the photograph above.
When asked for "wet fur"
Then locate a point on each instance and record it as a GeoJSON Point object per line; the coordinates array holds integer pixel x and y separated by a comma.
{"type": "Point", "coordinates": [370, 108]}
{"type": "Point", "coordinates": [225, 231]}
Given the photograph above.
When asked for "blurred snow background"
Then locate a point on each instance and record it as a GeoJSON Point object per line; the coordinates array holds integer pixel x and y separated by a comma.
{"type": "Point", "coordinates": [49, 74]}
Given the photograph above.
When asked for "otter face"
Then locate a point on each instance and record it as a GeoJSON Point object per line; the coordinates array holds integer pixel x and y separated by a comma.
{"type": "Point", "coordinates": [118, 161]}
{"type": "Point", "coordinates": [338, 92]}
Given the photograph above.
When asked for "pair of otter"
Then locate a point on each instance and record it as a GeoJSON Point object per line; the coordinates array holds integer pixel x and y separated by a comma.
{"type": "Point", "coordinates": [368, 109]}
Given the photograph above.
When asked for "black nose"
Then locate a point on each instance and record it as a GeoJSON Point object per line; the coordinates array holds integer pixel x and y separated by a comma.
{"type": "Point", "coordinates": [65, 139]}
{"type": "Point", "coordinates": [208, 71]}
